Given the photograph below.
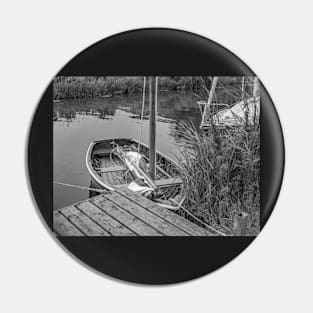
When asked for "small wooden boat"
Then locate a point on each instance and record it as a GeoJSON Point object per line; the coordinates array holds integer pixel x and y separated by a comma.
{"type": "Point", "coordinates": [110, 165]}
{"type": "Point", "coordinates": [127, 163]}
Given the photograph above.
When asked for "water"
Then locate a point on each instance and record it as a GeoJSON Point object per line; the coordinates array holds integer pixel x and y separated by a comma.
{"type": "Point", "coordinates": [80, 121]}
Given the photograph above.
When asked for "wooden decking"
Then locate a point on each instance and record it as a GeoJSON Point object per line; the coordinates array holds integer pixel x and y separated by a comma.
{"type": "Point", "coordinates": [122, 213]}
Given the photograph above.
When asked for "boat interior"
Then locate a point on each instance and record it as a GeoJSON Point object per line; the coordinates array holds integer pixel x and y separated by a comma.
{"type": "Point", "coordinates": [113, 172]}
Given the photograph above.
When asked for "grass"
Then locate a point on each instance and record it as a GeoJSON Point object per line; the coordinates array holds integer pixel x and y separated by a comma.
{"type": "Point", "coordinates": [221, 172]}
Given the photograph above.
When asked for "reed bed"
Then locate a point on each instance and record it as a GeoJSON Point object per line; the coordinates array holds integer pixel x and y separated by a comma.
{"type": "Point", "coordinates": [73, 87]}
{"type": "Point", "coordinates": [221, 172]}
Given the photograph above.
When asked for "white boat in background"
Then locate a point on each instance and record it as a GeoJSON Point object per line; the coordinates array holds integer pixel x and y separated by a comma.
{"type": "Point", "coordinates": [242, 112]}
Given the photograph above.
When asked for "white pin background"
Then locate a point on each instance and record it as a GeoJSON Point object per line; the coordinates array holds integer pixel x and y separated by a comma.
{"type": "Point", "coordinates": [274, 39]}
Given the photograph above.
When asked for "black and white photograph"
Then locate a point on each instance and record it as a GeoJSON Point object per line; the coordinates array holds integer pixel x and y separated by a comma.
{"type": "Point", "coordinates": [156, 156]}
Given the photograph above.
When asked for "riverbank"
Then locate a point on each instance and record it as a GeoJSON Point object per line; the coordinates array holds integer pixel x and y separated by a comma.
{"type": "Point", "coordinates": [91, 87]}
{"type": "Point", "coordinates": [74, 87]}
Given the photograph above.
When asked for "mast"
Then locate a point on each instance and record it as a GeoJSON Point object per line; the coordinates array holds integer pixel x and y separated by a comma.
{"type": "Point", "coordinates": [207, 108]}
{"type": "Point", "coordinates": [153, 94]}
{"type": "Point", "coordinates": [212, 90]}
{"type": "Point", "coordinates": [256, 100]}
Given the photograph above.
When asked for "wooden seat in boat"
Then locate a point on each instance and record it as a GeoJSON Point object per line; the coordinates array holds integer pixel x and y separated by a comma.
{"type": "Point", "coordinates": [160, 182]}
{"type": "Point", "coordinates": [113, 168]}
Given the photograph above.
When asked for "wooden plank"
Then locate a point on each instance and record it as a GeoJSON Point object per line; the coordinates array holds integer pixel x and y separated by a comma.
{"type": "Point", "coordinates": [63, 227]}
{"type": "Point", "coordinates": [160, 169]}
{"type": "Point", "coordinates": [112, 169]}
{"type": "Point", "coordinates": [104, 220]}
{"type": "Point", "coordinates": [160, 182]}
{"type": "Point", "coordinates": [102, 151]}
{"type": "Point", "coordinates": [171, 217]}
{"type": "Point", "coordinates": [83, 223]}
{"type": "Point", "coordinates": [108, 175]}
{"type": "Point", "coordinates": [119, 176]}
{"type": "Point", "coordinates": [145, 215]}
{"type": "Point", "coordinates": [132, 222]}
{"type": "Point", "coordinates": [169, 182]}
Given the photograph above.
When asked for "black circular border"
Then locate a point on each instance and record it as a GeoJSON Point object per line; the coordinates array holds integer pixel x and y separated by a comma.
{"type": "Point", "coordinates": [154, 51]}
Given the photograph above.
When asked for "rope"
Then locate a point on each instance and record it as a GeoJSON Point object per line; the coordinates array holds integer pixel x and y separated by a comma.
{"type": "Point", "coordinates": [142, 110]}
{"type": "Point", "coordinates": [80, 187]}
{"type": "Point", "coordinates": [198, 220]}
{"type": "Point", "coordinates": [193, 216]}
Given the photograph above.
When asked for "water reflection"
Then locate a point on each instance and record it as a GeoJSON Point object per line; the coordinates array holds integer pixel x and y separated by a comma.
{"type": "Point", "coordinates": [171, 107]}
{"type": "Point", "coordinates": [77, 122]}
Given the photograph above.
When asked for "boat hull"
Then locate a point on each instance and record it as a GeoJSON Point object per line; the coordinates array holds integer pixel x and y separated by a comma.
{"type": "Point", "coordinates": [108, 172]}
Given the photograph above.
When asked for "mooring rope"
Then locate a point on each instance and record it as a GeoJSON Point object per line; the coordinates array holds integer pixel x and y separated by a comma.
{"type": "Point", "coordinates": [142, 110]}
{"type": "Point", "coordinates": [80, 187]}
{"type": "Point", "coordinates": [203, 223]}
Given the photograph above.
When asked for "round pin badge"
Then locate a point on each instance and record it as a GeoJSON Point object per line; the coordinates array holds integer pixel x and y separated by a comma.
{"type": "Point", "coordinates": [155, 156]}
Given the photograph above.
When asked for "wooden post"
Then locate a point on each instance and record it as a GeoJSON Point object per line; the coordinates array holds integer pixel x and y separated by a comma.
{"type": "Point", "coordinates": [243, 88]}
{"type": "Point", "coordinates": [152, 123]}
{"type": "Point", "coordinates": [255, 87]}
{"type": "Point", "coordinates": [240, 224]}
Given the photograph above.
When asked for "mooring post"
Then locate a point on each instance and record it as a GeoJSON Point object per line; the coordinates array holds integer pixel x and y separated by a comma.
{"type": "Point", "coordinates": [255, 87]}
{"type": "Point", "coordinates": [240, 224]}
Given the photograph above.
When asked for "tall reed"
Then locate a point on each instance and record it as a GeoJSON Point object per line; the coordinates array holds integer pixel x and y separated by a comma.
{"type": "Point", "coordinates": [221, 173]}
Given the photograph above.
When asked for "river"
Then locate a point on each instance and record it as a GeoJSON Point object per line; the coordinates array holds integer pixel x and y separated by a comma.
{"type": "Point", "coordinates": [77, 122]}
